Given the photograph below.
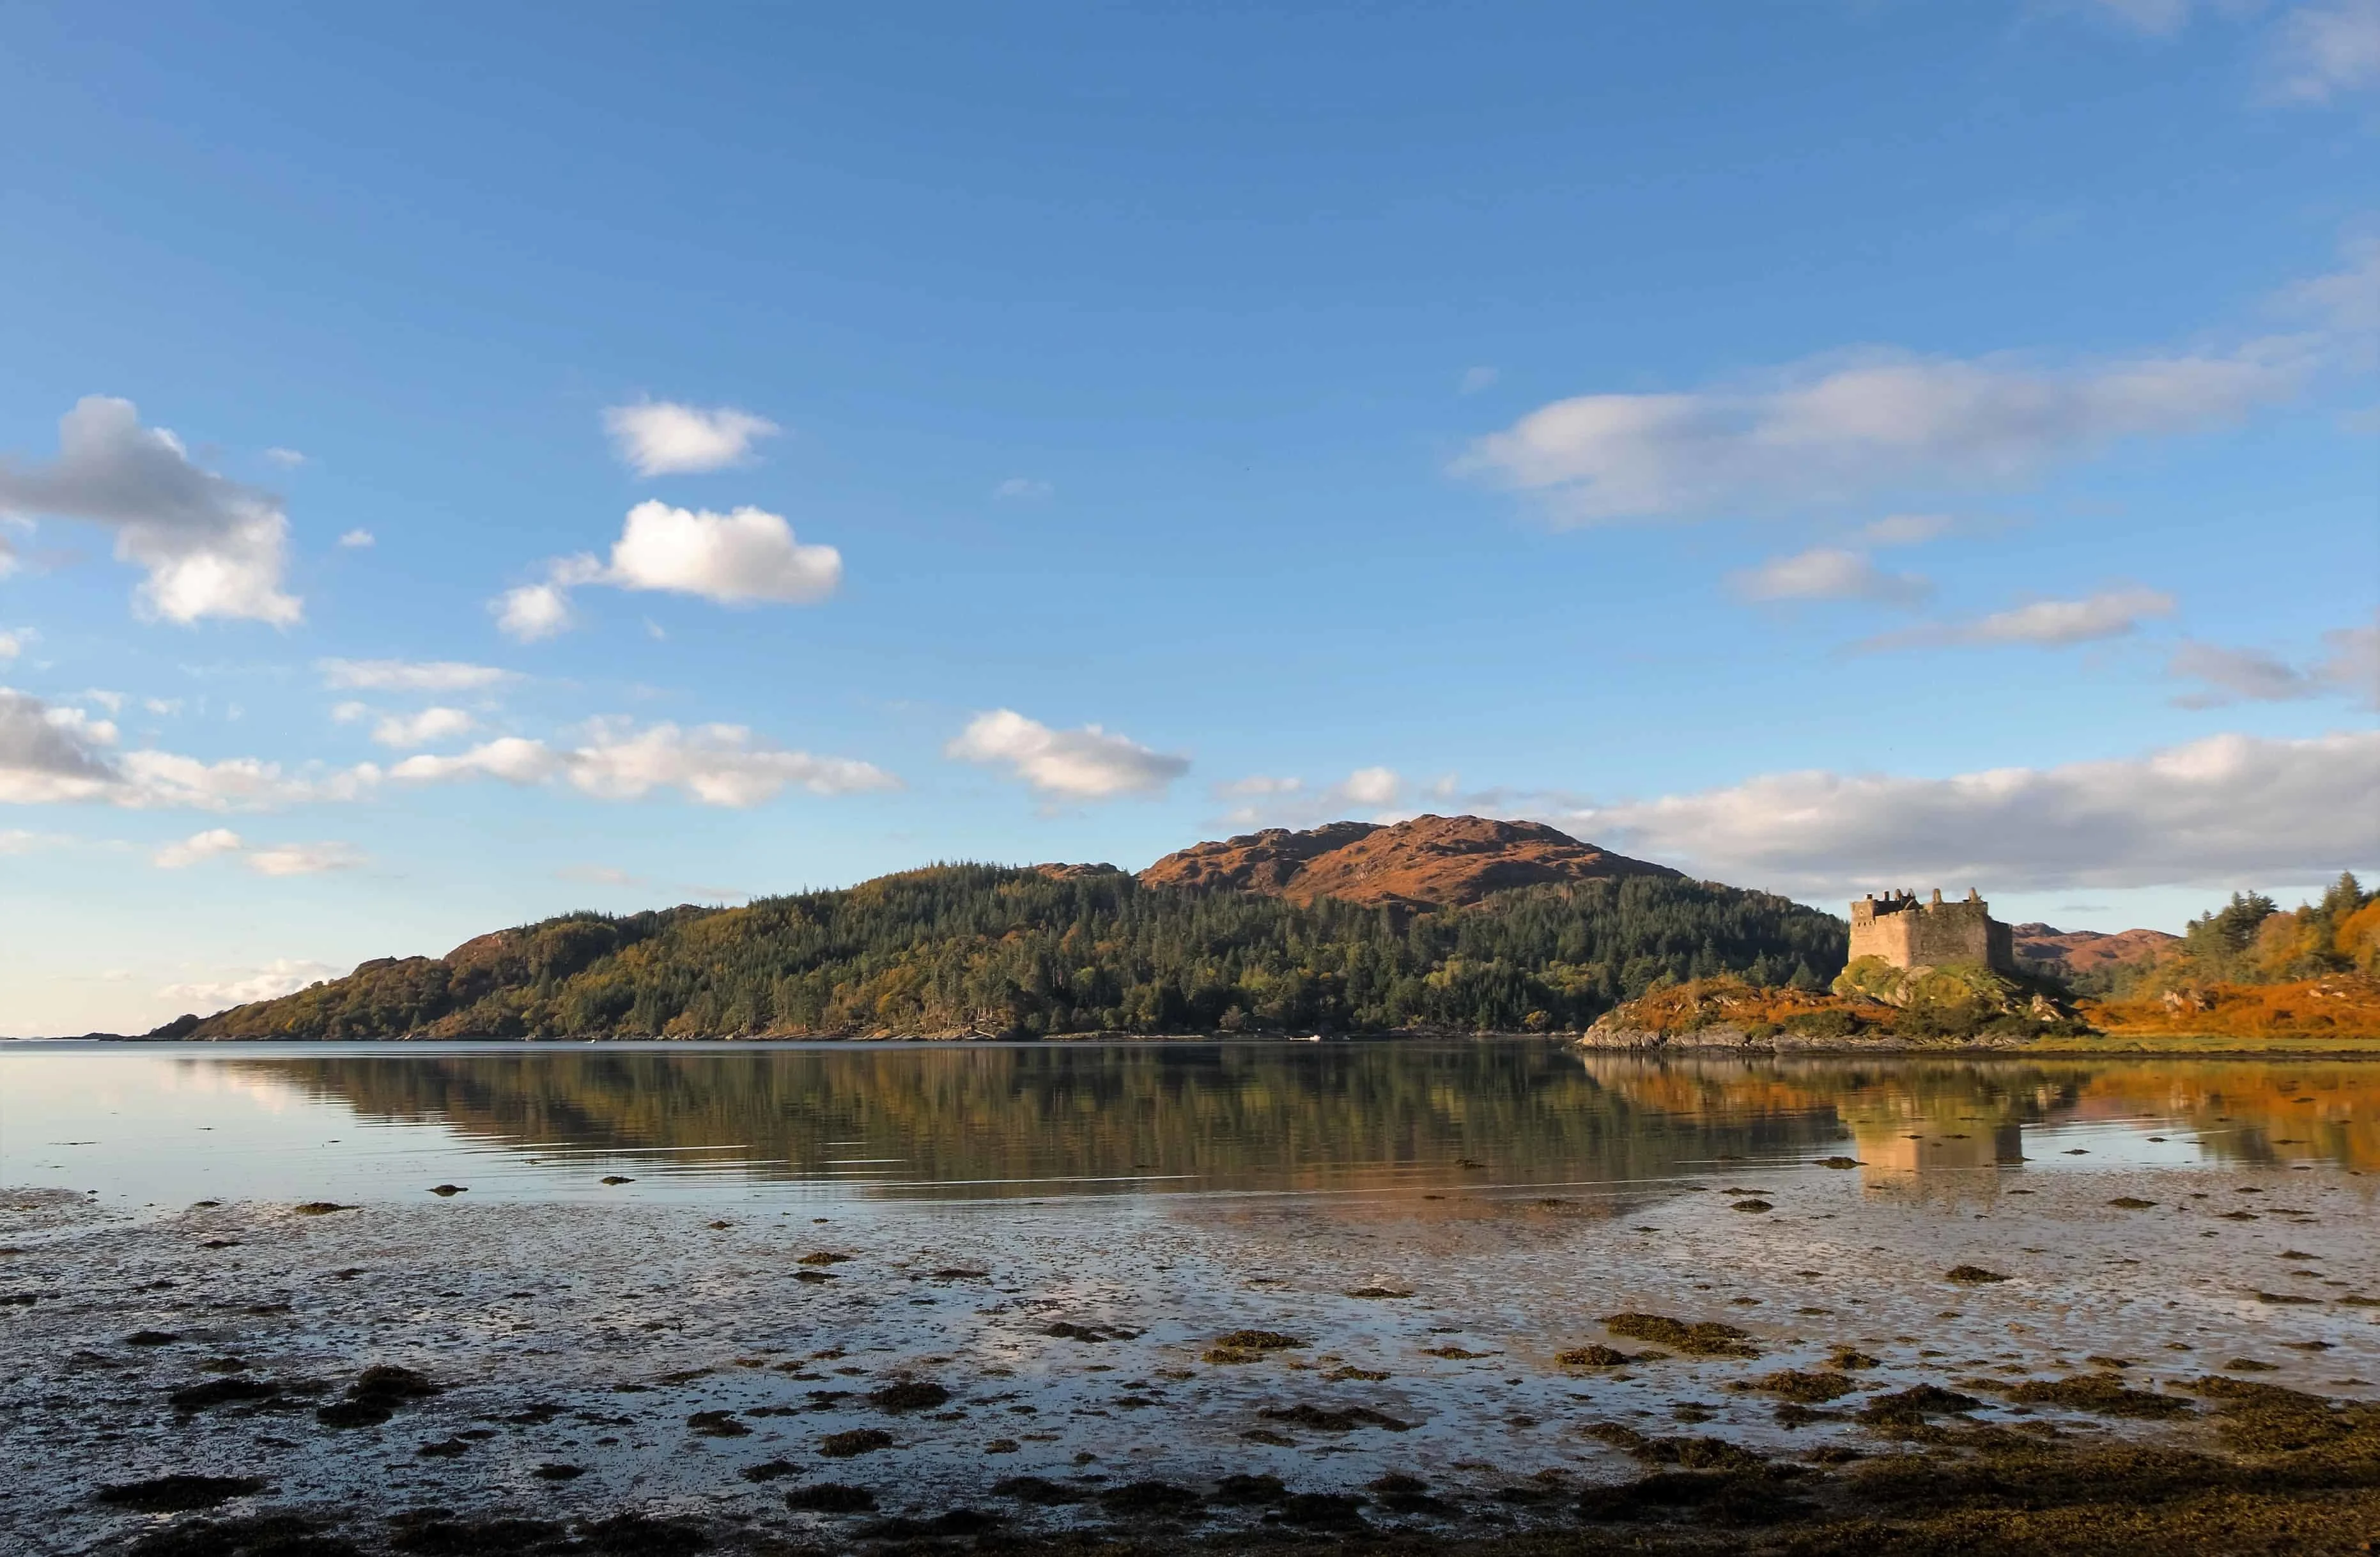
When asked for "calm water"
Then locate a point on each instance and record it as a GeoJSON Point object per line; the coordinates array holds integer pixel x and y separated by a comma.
{"type": "Point", "coordinates": [164, 1125]}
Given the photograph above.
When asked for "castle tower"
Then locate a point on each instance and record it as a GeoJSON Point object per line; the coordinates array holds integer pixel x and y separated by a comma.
{"type": "Point", "coordinates": [1907, 933]}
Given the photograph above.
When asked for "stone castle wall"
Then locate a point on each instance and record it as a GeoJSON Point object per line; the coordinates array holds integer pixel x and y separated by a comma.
{"type": "Point", "coordinates": [1908, 933]}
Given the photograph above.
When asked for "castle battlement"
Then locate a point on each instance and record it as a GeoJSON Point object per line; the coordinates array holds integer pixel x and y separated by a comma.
{"type": "Point", "coordinates": [1908, 933]}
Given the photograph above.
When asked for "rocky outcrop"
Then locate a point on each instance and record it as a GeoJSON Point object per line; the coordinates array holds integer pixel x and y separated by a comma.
{"type": "Point", "coordinates": [1428, 862]}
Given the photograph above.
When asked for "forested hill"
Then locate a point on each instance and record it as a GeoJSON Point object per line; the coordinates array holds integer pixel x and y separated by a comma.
{"type": "Point", "coordinates": [993, 951]}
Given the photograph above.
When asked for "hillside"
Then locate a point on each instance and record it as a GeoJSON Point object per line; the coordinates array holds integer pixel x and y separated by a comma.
{"type": "Point", "coordinates": [988, 951]}
{"type": "Point", "coordinates": [2071, 952]}
{"type": "Point", "coordinates": [1428, 862]}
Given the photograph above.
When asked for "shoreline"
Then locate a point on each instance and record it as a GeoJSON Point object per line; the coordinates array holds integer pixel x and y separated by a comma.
{"type": "Point", "coordinates": [1454, 1369]}
{"type": "Point", "coordinates": [1706, 1043]}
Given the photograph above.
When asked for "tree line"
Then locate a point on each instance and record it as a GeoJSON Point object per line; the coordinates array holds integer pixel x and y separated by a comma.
{"type": "Point", "coordinates": [1003, 952]}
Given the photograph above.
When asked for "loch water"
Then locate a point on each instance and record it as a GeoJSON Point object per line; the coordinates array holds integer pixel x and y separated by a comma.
{"type": "Point", "coordinates": [144, 1124]}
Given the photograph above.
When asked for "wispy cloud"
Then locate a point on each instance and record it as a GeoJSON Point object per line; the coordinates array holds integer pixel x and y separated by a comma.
{"type": "Point", "coordinates": [284, 976]}
{"type": "Point", "coordinates": [1829, 573]}
{"type": "Point", "coordinates": [1090, 763]}
{"type": "Point", "coordinates": [2349, 666]}
{"type": "Point", "coordinates": [1838, 431]}
{"type": "Point", "coordinates": [425, 727]}
{"type": "Point", "coordinates": [714, 764]}
{"type": "Point", "coordinates": [1375, 794]}
{"type": "Point", "coordinates": [2044, 623]}
{"type": "Point", "coordinates": [410, 676]}
{"type": "Point", "coordinates": [2212, 812]}
{"type": "Point", "coordinates": [268, 859]}
{"type": "Point", "coordinates": [2323, 52]}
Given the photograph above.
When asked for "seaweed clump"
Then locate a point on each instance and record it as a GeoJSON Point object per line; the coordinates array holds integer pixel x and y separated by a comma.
{"type": "Point", "coordinates": [831, 1497]}
{"type": "Point", "coordinates": [1322, 1419]}
{"type": "Point", "coordinates": [1800, 1387]}
{"type": "Point", "coordinates": [2101, 1393]}
{"type": "Point", "coordinates": [1687, 1454]}
{"type": "Point", "coordinates": [178, 1494]}
{"type": "Point", "coordinates": [377, 1394]}
{"type": "Point", "coordinates": [908, 1394]}
{"type": "Point", "coordinates": [858, 1441]}
{"type": "Point", "coordinates": [1706, 1338]}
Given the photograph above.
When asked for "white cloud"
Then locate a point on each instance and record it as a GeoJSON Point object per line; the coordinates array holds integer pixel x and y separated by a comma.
{"type": "Point", "coordinates": [532, 611]}
{"type": "Point", "coordinates": [1829, 573]}
{"type": "Point", "coordinates": [659, 437]}
{"type": "Point", "coordinates": [736, 558]}
{"type": "Point", "coordinates": [2320, 51]}
{"type": "Point", "coordinates": [211, 546]}
{"type": "Point", "coordinates": [1085, 764]}
{"type": "Point", "coordinates": [1021, 487]}
{"type": "Point", "coordinates": [289, 460]}
{"type": "Point", "coordinates": [715, 764]}
{"type": "Point", "coordinates": [2350, 664]}
{"type": "Point", "coordinates": [111, 702]}
{"type": "Point", "coordinates": [17, 840]}
{"type": "Point", "coordinates": [161, 706]}
{"type": "Point", "coordinates": [410, 676]}
{"type": "Point", "coordinates": [2213, 812]}
{"type": "Point", "coordinates": [744, 557]}
{"type": "Point", "coordinates": [162, 780]}
{"type": "Point", "coordinates": [1476, 379]}
{"type": "Point", "coordinates": [282, 976]}
{"type": "Point", "coordinates": [303, 859]}
{"type": "Point", "coordinates": [358, 540]}
{"type": "Point", "coordinates": [12, 644]}
{"type": "Point", "coordinates": [423, 728]}
{"type": "Point", "coordinates": [513, 759]}
{"type": "Point", "coordinates": [2046, 623]}
{"type": "Point", "coordinates": [1834, 431]}
{"type": "Point", "coordinates": [198, 846]}
{"type": "Point", "coordinates": [52, 755]}
{"type": "Point", "coordinates": [348, 713]}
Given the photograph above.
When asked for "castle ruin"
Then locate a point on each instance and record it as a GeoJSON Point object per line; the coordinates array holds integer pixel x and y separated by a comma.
{"type": "Point", "coordinates": [1907, 933]}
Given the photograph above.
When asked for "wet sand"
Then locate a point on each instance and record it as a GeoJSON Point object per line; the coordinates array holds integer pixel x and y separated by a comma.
{"type": "Point", "coordinates": [1384, 1368]}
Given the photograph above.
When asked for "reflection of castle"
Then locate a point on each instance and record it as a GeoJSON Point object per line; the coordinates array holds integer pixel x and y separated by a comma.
{"type": "Point", "coordinates": [1920, 1145]}
{"type": "Point", "coordinates": [1907, 933]}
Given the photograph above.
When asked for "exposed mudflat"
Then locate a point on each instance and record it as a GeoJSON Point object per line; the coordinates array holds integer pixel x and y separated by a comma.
{"type": "Point", "coordinates": [1815, 1358]}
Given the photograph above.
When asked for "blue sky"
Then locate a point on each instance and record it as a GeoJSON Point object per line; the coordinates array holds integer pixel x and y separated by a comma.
{"type": "Point", "coordinates": [458, 468]}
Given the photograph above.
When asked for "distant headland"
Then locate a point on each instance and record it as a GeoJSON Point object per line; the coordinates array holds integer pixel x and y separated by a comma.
{"type": "Point", "coordinates": [1435, 924]}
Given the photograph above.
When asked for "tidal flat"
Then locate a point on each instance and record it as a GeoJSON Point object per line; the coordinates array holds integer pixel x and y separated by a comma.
{"type": "Point", "coordinates": [1518, 1301]}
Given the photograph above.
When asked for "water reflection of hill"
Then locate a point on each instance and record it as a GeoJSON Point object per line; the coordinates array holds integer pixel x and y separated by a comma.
{"type": "Point", "coordinates": [1010, 1119]}
{"type": "Point", "coordinates": [1271, 1115]}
